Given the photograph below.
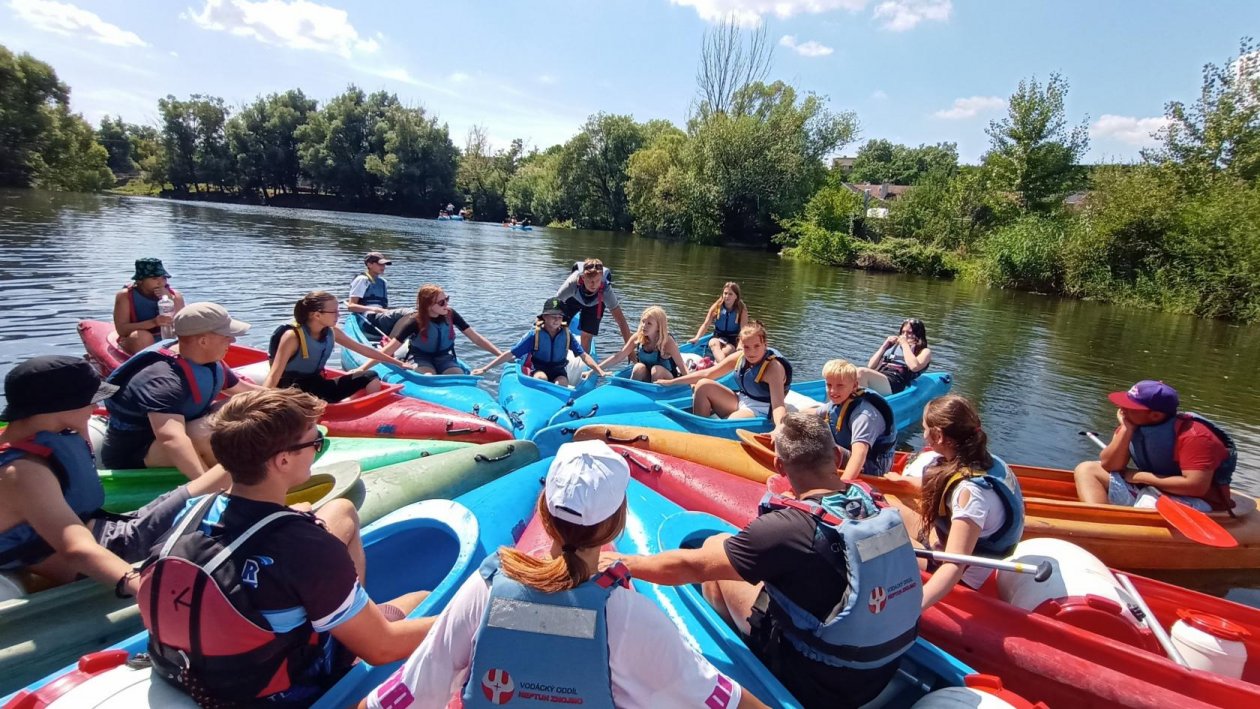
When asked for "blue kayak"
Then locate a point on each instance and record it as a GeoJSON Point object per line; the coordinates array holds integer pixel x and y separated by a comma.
{"type": "Point", "coordinates": [450, 218]}
{"type": "Point", "coordinates": [518, 227]}
{"type": "Point", "coordinates": [661, 525]}
{"type": "Point", "coordinates": [675, 414]}
{"type": "Point", "coordinates": [530, 403]}
{"type": "Point", "coordinates": [458, 391]}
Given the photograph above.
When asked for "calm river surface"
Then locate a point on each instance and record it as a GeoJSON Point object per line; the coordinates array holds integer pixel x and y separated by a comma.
{"type": "Point", "coordinates": [1039, 367]}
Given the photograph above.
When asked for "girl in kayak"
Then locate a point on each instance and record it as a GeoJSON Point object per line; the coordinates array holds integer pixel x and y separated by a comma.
{"type": "Point", "coordinates": [897, 362]}
{"type": "Point", "coordinates": [654, 349]}
{"type": "Point", "coordinates": [546, 348]}
{"type": "Point", "coordinates": [762, 379]}
{"type": "Point", "coordinates": [300, 350]}
{"type": "Point", "coordinates": [430, 333]}
{"type": "Point", "coordinates": [970, 502]}
{"type": "Point", "coordinates": [598, 642]}
{"type": "Point", "coordinates": [728, 315]}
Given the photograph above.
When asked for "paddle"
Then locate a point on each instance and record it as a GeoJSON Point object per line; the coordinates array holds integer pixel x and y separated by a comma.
{"type": "Point", "coordinates": [1040, 572]}
{"type": "Point", "coordinates": [1150, 620]}
{"type": "Point", "coordinates": [1192, 523]}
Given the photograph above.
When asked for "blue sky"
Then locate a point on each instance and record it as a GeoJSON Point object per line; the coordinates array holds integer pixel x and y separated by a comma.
{"type": "Point", "coordinates": [914, 71]}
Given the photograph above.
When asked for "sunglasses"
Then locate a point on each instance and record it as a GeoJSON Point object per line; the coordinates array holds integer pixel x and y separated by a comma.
{"type": "Point", "coordinates": [318, 444]}
{"type": "Point", "coordinates": [444, 301]}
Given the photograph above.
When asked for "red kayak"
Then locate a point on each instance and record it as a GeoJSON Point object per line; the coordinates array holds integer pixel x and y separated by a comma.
{"type": "Point", "coordinates": [1078, 652]}
{"type": "Point", "coordinates": [385, 414]}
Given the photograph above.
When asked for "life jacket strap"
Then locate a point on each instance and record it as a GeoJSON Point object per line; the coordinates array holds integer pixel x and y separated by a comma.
{"type": "Point", "coordinates": [615, 575]}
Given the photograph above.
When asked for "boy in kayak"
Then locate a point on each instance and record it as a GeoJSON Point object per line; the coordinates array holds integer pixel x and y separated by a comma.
{"type": "Point", "coordinates": [369, 296]}
{"type": "Point", "coordinates": [829, 623]}
{"type": "Point", "coordinates": [588, 290]}
{"type": "Point", "coordinates": [546, 348]}
{"type": "Point", "coordinates": [274, 606]}
{"type": "Point", "coordinates": [51, 522]}
{"type": "Point", "coordinates": [762, 379]}
{"type": "Point", "coordinates": [157, 419]}
{"type": "Point", "coordinates": [1181, 454]}
{"type": "Point", "coordinates": [136, 317]}
{"type": "Point", "coordinates": [860, 421]}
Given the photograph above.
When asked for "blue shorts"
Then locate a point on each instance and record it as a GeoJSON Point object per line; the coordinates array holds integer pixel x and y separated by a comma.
{"type": "Point", "coordinates": [1122, 492]}
{"type": "Point", "coordinates": [439, 362]}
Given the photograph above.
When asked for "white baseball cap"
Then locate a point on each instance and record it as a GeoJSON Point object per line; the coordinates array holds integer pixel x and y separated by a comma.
{"type": "Point", "coordinates": [586, 483]}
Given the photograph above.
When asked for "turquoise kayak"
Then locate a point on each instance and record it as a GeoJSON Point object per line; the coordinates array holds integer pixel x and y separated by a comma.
{"type": "Point", "coordinates": [675, 415]}
{"type": "Point", "coordinates": [531, 403]}
{"type": "Point", "coordinates": [457, 391]}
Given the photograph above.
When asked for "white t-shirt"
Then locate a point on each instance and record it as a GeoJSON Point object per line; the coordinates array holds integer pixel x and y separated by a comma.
{"type": "Point", "coordinates": [984, 507]}
{"type": "Point", "coordinates": [652, 666]}
{"type": "Point", "coordinates": [359, 286]}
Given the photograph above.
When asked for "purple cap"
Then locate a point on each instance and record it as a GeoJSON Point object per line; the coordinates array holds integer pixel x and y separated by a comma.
{"type": "Point", "coordinates": [1148, 395]}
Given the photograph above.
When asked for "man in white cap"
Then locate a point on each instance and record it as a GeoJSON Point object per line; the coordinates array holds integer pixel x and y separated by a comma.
{"type": "Point", "coordinates": [157, 419]}
{"type": "Point", "coordinates": [554, 630]}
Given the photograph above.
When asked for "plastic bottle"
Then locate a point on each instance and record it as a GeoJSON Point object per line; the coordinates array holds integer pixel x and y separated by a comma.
{"type": "Point", "coordinates": [166, 306]}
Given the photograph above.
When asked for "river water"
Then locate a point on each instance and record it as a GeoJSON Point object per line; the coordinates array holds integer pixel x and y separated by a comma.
{"type": "Point", "coordinates": [1039, 367]}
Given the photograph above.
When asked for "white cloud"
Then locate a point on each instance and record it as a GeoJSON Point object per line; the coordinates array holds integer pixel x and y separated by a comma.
{"type": "Point", "coordinates": [71, 21]}
{"type": "Point", "coordinates": [805, 49]}
{"type": "Point", "coordinates": [297, 24]}
{"type": "Point", "coordinates": [902, 15]}
{"type": "Point", "coordinates": [458, 77]}
{"type": "Point", "coordinates": [1128, 129]}
{"type": "Point", "coordinates": [971, 107]}
{"type": "Point", "coordinates": [879, 95]}
{"type": "Point", "coordinates": [749, 13]}
{"type": "Point", "coordinates": [546, 79]}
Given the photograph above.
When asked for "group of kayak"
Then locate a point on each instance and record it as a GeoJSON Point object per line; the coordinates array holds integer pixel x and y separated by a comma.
{"type": "Point", "coordinates": [633, 451]}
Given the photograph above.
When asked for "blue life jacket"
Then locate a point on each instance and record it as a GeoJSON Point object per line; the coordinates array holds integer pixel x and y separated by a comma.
{"type": "Point", "coordinates": [311, 356]}
{"type": "Point", "coordinates": [727, 323]}
{"type": "Point", "coordinates": [749, 379]}
{"type": "Point", "coordinates": [653, 358]}
{"type": "Point", "coordinates": [141, 307]}
{"type": "Point", "coordinates": [1153, 448]}
{"type": "Point", "coordinates": [1000, 479]}
{"type": "Point", "coordinates": [70, 458]}
{"type": "Point", "coordinates": [550, 350]}
{"type": "Point", "coordinates": [202, 383]}
{"type": "Point", "coordinates": [548, 647]}
{"type": "Point", "coordinates": [437, 338]}
{"type": "Point", "coordinates": [866, 541]}
{"type": "Point", "coordinates": [596, 299]}
{"type": "Point", "coordinates": [879, 457]}
{"type": "Point", "coordinates": [894, 362]}
{"type": "Point", "coordinates": [377, 292]}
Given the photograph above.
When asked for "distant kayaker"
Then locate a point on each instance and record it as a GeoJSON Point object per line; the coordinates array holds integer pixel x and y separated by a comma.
{"type": "Point", "coordinates": [899, 361]}
{"type": "Point", "coordinates": [430, 333]}
{"type": "Point", "coordinates": [137, 319]}
{"type": "Point", "coordinates": [300, 350]}
{"type": "Point", "coordinates": [762, 380]}
{"type": "Point", "coordinates": [1182, 455]}
{"type": "Point", "coordinates": [51, 523]}
{"type": "Point", "coordinates": [970, 502]}
{"type": "Point", "coordinates": [284, 613]}
{"type": "Point", "coordinates": [555, 629]}
{"type": "Point", "coordinates": [369, 297]}
{"type": "Point", "coordinates": [157, 419]}
{"type": "Point", "coordinates": [546, 348]}
{"type": "Point", "coordinates": [861, 422]}
{"type": "Point", "coordinates": [828, 619]}
{"type": "Point", "coordinates": [728, 315]}
{"type": "Point", "coordinates": [589, 291]}
{"type": "Point", "coordinates": [655, 353]}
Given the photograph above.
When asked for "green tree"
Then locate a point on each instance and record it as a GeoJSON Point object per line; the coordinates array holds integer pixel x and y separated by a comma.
{"type": "Point", "coordinates": [262, 140]}
{"type": "Point", "coordinates": [593, 170]}
{"type": "Point", "coordinates": [1033, 154]}
{"type": "Point", "coordinates": [416, 161]}
{"type": "Point", "coordinates": [194, 142]}
{"type": "Point", "coordinates": [71, 159]}
{"type": "Point", "coordinates": [113, 135]}
{"type": "Point", "coordinates": [483, 177]}
{"type": "Point", "coordinates": [882, 161]}
{"type": "Point", "coordinates": [335, 142]}
{"type": "Point", "coordinates": [534, 191]}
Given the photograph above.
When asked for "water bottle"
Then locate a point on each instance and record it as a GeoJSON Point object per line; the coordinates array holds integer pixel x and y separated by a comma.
{"type": "Point", "coordinates": [166, 306]}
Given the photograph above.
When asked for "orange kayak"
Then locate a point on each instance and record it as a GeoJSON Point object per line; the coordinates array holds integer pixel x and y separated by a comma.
{"type": "Point", "coordinates": [1123, 537]}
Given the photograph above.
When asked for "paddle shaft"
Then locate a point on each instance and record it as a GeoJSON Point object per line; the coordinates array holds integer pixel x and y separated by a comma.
{"type": "Point", "coordinates": [1151, 621]}
{"type": "Point", "coordinates": [1040, 572]}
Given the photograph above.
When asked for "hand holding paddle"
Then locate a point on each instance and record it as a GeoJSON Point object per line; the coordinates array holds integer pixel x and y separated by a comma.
{"type": "Point", "coordinates": [1039, 572]}
{"type": "Point", "coordinates": [1193, 523]}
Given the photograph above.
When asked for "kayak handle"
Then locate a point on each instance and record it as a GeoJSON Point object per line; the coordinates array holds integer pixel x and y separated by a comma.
{"type": "Point", "coordinates": [653, 468]}
{"type": "Point", "coordinates": [608, 436]}
{"type": "Point", "coordinates": [515, 418]}
{"type": "Point", "coordinates": [575, 415]}
{"type": "Point", "coordinates": [452, 431]}
{"type": "Point", "coordinates": [476, 411]}
{"type": "Point", "coordinates": [485, 459]}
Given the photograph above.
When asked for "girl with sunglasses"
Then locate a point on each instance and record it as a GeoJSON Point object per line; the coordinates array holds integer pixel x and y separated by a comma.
{"type": "Point", "coordinates": [899, 361]}
{"type": "Point", "coordinates": [430, 333]}
{"type": "Point", "coordinates": [299, 351]}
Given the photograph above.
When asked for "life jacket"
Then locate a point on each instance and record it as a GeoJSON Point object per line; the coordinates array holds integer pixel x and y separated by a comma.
{"type": "Point", "coordinates": [550, 647]}
{"type": "Point", "coordinates": [141, 307]}
{"type": "Point", "coordinates": [377, 292]}
{"type": "Point", "coordinates": [1153, 449]}
{"type": "Point", "coordinates": [597, 298]}
{"type": "Point", "coordinates": [865, 540]}
{"type": "Point", "coordinates": [312, 354]}
{"type": "Point", "coordinates": [653, 358]}
{"type": "Point", "coordinates": [749, 379]}
{"type": "Point", "coordinates": [202, 383]}
{"type": "Point", "coordinates": [1000, 479]}
{"type": "Point", "coordinates": [205, 635]}
{"type": "Point", "coordinates": [69, 457]}
{"type": "Point", "coordinates": [549, 350]}
{"type": "Point", "coordinates": [727, 323]}
{"type": "Point", "coordinates": [437, 338]}
{"type": "Point", "coordinates": [894, 362]}
{"type": "Point", "coordinates": [840, 417]}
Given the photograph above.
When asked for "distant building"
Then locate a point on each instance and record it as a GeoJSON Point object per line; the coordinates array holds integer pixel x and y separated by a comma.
{"type": "Point", "coordinates": [844, 165]}
{"type": "Point", "coordinates": [883, 192]}
{"type": "Point", "coordinates": [1076, 200]}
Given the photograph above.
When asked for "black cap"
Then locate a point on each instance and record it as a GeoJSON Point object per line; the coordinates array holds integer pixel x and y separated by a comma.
{"type": "Point", "coordinates": [552, 306]}
{"type": "Point", "coordinates": [52, 383]}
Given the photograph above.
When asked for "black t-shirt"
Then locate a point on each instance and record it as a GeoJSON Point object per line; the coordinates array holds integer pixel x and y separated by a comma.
{"type": "Point", "coordinates": [160, 388]}
{"type": "Point", "coordinates": [413, 325]}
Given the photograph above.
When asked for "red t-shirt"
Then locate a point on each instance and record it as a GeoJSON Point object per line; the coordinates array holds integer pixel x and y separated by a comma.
{"type": "Point", "coordinates": [1197, 447]}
